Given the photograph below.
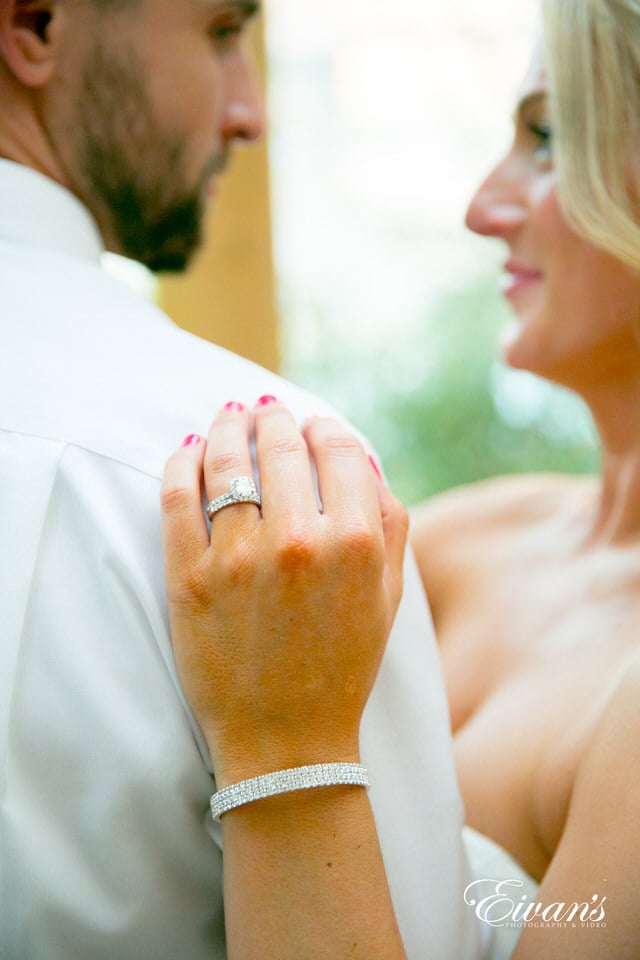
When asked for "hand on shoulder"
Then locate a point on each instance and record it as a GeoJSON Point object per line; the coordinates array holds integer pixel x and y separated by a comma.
{"type": "Point", "coordinates": [279, 615]}
{"type": "Point", "coordinates": [279, 618]}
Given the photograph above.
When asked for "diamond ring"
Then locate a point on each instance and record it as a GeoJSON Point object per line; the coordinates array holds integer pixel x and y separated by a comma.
{"type": "Point", "coordinates": [241, 490]}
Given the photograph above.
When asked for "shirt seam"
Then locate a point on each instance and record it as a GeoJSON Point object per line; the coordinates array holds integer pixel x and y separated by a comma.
{"type": "Point", "coordinates": [84, 448]}
{"type": "Point", "coordinates": [28, 594]}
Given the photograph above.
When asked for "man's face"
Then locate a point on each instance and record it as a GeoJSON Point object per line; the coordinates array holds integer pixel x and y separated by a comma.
{"type": "Point", "coordinates": [161, 90]}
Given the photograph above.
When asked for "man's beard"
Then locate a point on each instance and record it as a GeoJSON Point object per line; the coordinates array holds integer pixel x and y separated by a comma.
{"type": "Point", "coordinates": [133, 170]}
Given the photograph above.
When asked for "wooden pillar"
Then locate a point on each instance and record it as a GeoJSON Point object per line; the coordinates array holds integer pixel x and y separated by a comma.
{"type": "Point", "coordinates": [228, 295]}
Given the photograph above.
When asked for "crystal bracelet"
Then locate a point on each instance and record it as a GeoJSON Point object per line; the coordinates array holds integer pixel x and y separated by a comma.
{"type": "Point", "coordinates": [286, 781]}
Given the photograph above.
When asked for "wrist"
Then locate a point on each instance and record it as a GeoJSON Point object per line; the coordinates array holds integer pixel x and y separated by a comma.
{"type": "Point", "coordinates": [284, 782]}
{"type": "Point", "coordinates": [238, 765]}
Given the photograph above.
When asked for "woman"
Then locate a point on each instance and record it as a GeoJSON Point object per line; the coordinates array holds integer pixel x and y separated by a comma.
{"type": "Point", "coordinates": [534, 582]}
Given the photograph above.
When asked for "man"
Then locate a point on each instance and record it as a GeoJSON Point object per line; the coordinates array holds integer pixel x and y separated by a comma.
{"type": "Point", "coordinates": [116, 118]}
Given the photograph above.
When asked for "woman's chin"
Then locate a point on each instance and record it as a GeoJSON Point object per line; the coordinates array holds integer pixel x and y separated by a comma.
{"type": "Point", "coordinates": [519, 350]}
{"type": "Point", "coordinates": [510, 343]}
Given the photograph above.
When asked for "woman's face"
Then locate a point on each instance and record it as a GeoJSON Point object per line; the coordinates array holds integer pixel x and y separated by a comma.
{"type": "Point", "coordinates": [575, 307]}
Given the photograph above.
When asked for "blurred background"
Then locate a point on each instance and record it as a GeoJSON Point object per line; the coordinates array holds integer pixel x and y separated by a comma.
{"type": "Point", "coordinates": [338, 253]}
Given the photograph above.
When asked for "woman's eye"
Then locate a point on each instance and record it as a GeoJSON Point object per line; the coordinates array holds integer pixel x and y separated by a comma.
{"type": "Point", "coordinates": [543, 138]}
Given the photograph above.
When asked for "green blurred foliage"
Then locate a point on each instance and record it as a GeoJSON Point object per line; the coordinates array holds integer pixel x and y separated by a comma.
{"type": "Point", "coordinates": [438, 406]}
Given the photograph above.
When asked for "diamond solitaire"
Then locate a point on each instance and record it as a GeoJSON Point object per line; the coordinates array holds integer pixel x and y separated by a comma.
{"type": "Point", "coordinates": [241, 490]}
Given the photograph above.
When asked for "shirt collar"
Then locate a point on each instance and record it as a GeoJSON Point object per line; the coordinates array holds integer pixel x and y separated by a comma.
{"type": "Point", "coordinates": [37, 211]}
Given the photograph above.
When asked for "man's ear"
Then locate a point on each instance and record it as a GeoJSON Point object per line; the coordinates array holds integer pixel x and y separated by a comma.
{"type": "Point", "coordinates": [26, 44]}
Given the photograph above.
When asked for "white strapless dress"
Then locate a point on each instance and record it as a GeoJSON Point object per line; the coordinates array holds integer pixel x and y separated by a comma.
{"type": "Point", "coordinates": [498, 882]}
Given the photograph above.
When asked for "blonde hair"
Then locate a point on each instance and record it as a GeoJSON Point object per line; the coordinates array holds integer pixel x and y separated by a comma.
{"type": "Point", "coordinates": [593, 55]}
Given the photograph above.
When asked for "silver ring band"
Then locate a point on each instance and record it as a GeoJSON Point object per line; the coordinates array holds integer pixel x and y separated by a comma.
{"type": "Point", "coordinates": [241, 490]}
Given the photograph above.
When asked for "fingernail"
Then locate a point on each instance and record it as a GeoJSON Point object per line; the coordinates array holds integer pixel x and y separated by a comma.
{"type": "Point", "coordinates": [192, 440]}
{"type": "Point", "coordinates": [375, 467]}
{"type": "Point", "coordinates": [263, 401]}
{"type": "Point", "coordinates": [233, 406]}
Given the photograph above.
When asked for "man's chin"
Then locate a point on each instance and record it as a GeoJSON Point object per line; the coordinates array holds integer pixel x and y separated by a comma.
{"type": "Point", "coordinates": [177, 263]}
{"type": "Point", "coordinates": [170, 246]}
{"type": "Point", "coordinates": [172, 260]}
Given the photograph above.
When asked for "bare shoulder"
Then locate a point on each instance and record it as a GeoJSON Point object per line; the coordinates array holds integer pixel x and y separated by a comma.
{"type": "Point", "coordinates": [461, 528]}
{"type": "Point", "coordinates": [614, 752]}
{"type": "Point", "coordinates": [597, 862]}
{"type": "Point", "coordinates": [523, 497]}
{"type": "Point", "coordinates": [605, 797]}
{"type": "Point", "coordinates": [605, 800]}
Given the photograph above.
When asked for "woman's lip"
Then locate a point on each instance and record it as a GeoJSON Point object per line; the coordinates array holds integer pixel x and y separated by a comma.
{"type": "Point", "coordinates": [518, 278]}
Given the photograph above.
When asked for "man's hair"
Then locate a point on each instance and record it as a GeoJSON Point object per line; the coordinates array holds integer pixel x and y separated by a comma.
{"type": "Point", "coordinates": [593, 54]}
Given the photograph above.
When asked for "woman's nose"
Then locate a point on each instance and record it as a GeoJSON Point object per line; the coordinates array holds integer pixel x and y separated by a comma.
{"type": "Point", "coordinates": [498, 208]}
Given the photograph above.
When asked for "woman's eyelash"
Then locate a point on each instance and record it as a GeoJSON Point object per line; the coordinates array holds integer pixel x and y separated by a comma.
{"type": "Point", "coordinates": [542, 131]}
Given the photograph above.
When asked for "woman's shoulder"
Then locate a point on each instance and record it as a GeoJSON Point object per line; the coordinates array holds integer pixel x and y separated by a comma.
{"type": "Point", "coordinates": [620, 721]}
{"type": "Point", "coordinates": [480, 526]}
{"type": "Point", "coordinates": [489, 505]}
{"type": "Point", "coordinates": [609, 772]}
{"type": "Point", "coordinates": [535, 491]}
{"type": "Point", "coordinates": [599, 850]}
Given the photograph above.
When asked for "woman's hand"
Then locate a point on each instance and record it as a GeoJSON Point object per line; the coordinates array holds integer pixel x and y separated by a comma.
{"type": "Point", "coordinates": [279, 618]}
{"type": "Point", "coordinates": [279, 621]}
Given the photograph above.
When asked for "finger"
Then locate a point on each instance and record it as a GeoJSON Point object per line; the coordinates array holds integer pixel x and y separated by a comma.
{"type": "Point", "coordinates": [228, 456]}
{"type": "Point", "coordinates": [345, 479]}
{"type": "Point", "coordinates": [184, 529]}
{"type": "Point", "coordinates": [286, 477]}
{"type": "Point", "coordinates": [395, 527]}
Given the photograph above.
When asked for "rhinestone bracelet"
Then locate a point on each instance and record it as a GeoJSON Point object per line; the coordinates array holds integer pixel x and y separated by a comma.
{"type": "Point", "coordinates": [286, 781]}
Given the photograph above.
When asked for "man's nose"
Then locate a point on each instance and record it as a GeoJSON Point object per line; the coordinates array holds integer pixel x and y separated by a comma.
{"type": "Point", "coordinates": [244, 117]}
{"type": "Point", "coordinates": [498, 207]}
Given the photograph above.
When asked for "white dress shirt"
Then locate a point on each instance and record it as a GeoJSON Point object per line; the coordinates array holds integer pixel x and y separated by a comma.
{"type": "Point", "coordinates": [107, 849]}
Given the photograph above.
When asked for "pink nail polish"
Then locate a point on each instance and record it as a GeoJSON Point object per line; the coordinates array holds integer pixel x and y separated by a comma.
{"type": "Point", "coordinates": [375, 467]}
{"type": "Point", "coordinates": [192, 440]}
{"type": "Point", "coordinates": [233, 406]}
{"type": "Point", "coordinates": [263, 401]}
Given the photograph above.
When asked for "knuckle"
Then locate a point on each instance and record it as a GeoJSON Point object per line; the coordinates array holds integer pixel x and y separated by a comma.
{"type": "Point", "coordinates": [296, 547]}
{"type": "Point", "coordinates": [342, 444]}
{"type": "Point", "coordinates": [223, 463]}
{"type": "Point", "coordinates": [195, 587]}
{"type": "Point", "coordinates": [187, 584]}
{"type": "Point", "coordinates": [287, 446]}
{"type": "Point", "coordinates": [235, 566]}
{"type": "Point", "coordinates": [359, 540]}
{"type": "Point", "coordinates": [174, 498]}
